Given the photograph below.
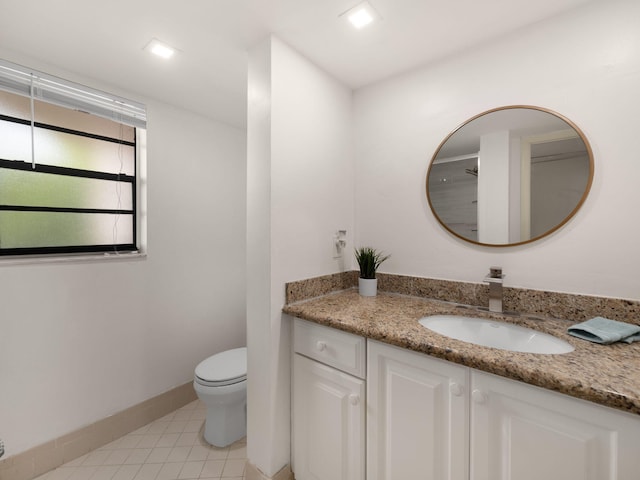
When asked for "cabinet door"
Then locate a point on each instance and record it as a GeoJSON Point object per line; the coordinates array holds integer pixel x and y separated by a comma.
{"type": "Point", "coordinates": [417, 416]}
{"type": "Point", "coordinates": [328, 422]}
{"type": "Point", "coordinates": [522, 432]}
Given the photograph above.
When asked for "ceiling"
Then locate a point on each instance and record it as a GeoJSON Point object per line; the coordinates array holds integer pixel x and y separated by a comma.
{"type": "Point", "coordinates": [105, 39]}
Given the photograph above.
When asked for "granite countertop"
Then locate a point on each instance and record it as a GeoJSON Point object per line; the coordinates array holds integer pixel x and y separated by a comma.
{"type": "Point", "coordinates": [604, 374]}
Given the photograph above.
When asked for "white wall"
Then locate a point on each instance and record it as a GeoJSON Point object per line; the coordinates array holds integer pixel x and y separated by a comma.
{"type": "Point", "coordinates": [81, 341]}
{"type": "Point", "coordinates": [300, 192]}
{"type": "Point", "coordinates": [584, 65]}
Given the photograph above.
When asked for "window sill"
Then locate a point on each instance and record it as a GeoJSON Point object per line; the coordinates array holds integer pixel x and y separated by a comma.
{"type": "Point", "coordinates": [72, 258]}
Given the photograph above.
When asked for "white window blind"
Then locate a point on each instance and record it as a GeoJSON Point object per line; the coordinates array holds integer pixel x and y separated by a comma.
{"type": "Point", "coordinates": [47, 88]}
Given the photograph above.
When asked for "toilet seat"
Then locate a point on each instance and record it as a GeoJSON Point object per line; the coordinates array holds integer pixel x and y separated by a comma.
{"type": "Point", "coordinates": [225, 368]}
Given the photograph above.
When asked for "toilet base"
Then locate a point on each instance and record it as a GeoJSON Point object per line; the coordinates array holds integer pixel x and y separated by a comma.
{"type": "Point", "coordinates": [225, 425]}
{"type": "Point", "coordinates": [226, 420]}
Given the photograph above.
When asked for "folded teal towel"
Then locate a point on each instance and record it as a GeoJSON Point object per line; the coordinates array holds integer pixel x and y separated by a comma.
{"type": "Point", "coordinates": [605, 331]}
{"type": "Point", "coordinates": [632, 338]}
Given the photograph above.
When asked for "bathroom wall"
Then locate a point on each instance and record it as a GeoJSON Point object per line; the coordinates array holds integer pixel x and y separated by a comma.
{"type": "Point", "coordinates": [585, 65]}
{"type": "Point", "coordinates": [81, 341]}
{"type": "Point", "coordinates": [300, 192]}
{"type": "Point", "coordinates": [301, 184]}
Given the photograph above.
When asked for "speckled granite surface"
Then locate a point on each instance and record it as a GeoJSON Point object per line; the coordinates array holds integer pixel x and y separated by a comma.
{"type": "Point", "coordinates": [604, 374]}
{"type": "Point", "coordinates": [534, 302]}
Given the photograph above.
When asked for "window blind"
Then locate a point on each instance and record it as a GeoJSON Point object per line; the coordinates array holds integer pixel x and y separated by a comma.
{"type": "Point", "coordinates": [48, 88]}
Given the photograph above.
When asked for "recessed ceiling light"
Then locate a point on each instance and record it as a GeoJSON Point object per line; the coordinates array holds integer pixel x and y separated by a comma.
{"type": "Point", "coordinates": [361, 15]}
{"type": "Point", "coordinates": [160, 49]}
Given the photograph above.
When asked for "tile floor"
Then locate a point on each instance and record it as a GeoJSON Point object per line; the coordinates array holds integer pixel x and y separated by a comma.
{"type": "Point", "coordinates": [171, 448]}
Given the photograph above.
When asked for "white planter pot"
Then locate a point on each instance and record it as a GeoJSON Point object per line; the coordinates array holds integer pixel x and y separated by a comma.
{"type": "Point", "coordinates": [368, 287]}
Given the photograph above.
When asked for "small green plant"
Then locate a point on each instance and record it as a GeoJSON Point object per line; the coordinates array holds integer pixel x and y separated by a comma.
{"type": "Point", "coordinates": [369, 260]}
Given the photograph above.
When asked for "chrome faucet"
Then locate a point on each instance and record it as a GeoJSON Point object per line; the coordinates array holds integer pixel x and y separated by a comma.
{"type": "Point", "coordinates": [494, 279]}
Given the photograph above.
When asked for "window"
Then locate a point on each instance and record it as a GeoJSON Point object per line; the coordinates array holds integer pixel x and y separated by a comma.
{"type": "Point", "coordinates": [68, 166]}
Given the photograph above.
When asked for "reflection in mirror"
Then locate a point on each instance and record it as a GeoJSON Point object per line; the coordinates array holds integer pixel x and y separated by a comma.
{"type": "Point", "coordinates": [510, 176]}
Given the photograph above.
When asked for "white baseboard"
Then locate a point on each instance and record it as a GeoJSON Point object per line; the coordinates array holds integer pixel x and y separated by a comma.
{"type": "Point", "coordinates": [38, 460]}
{"type": "Point", "coordinates": [253, 473]}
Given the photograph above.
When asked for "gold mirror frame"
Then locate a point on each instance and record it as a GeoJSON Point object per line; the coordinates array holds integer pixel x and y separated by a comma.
{"type": "Point", "coordinates": [547, 232]}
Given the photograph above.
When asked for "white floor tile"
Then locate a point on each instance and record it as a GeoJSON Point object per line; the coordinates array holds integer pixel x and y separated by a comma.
{"type": "Point", "coordinates": [191, 470]}
{"type": "Point", "coordinates": [218, 454]}
{"type": "Point", "coordinates": [198, 453]}
{"type": "Point", "coordinates": [157, 427]}
{"type": "Point", "coordinates": [105, 472]}
{"type": "Point", "coordinates": [169, 471]}
{"type": "Point", "coordinates": [237, 451]}
{"type": "Point", "coordinates": [176, 427]}
{"type": "Point", "coordinates": [149, 440]}
{"type": "Point", "coordinates": [212, 469]}
{"type": "Point", "coordinates": [148, 471]}
{"type": "Point", "coordinates": [199, 415]}
{"type": "Point", "coordinates": [137, 456]}
{"type": "Point", "coordinates": [187, 439]}
{"type": "Point", "coordinates": [182, 415]}
{"type": "Point", "coordinates": [193, 426]}
{"type": "Point", "coordinates": [117, 457]}
{"type": "Point", "coordinates": [83, 473]}
{"type": "Point", "coordinates": [159, 455]}
{"type": "Point", "coordinates": [126, 472]}
{"type": "Point", "coordinates": [179, 454]}
{"type": "Point", "coordinates": [234, 468]}
{"type": "Point", "coordinates": [168, 440]}
{"type": "Point", "coordinates": [171, 448]}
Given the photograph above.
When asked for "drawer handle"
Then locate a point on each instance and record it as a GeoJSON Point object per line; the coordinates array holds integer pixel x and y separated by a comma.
{"type": "Point", "coordinates": [321, 346]}
{"type": "Point", "coordinates": [354, 399]}
{"type": "Point", "coordinates": [456, 389]}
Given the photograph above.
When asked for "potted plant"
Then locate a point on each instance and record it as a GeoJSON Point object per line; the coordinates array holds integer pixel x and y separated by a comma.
{"type": "Point", "coordinates": [368, 260]}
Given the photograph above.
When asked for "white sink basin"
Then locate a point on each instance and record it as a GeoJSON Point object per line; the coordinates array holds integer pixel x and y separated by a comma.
{"type": "Point", "coordinates": [491, 333]}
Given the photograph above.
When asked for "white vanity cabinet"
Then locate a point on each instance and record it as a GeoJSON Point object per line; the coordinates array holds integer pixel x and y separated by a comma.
{"type": "Point", "coordinates": [431, 419]}
{"type": "Point", "coordinates": [328, 404]}
{"type": "Point", "coordinates": [522, 432]}
{"type": "Point", "coordinates": [417, 416]}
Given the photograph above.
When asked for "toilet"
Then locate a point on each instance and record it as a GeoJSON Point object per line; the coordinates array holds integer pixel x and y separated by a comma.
{"type": "Point", "coordinates": [220, 381]}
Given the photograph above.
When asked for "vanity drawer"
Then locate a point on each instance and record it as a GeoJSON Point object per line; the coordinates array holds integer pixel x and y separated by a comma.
{"type": "Point", "coordinates": [341, 350]}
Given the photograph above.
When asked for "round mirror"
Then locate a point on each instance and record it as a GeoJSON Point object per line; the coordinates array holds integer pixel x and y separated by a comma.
{"type": "Point", "coordinates": [509, 176]}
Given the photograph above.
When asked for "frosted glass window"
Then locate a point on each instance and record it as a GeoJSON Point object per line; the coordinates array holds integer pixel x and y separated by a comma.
{"type": "Point", "coordinates": [35, 230]}
{"type": "Point", "coordinates": [67, 180]}
{"type": "Point", "coordinates": [73, 151]}
{"type": "Point", "coordinates": [15, 141]}
{"type": "Point", "coordinates": [28, 188]}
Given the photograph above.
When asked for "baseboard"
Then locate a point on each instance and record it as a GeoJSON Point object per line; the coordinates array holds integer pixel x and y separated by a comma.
{"type": "Point", "coordinates": [251, 472]}
{"type": "Point", "coordinates": [38, 460]}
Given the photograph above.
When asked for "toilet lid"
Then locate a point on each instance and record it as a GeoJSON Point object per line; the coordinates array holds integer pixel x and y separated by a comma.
{"type": "Point", "coordinates": [224, 368]}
